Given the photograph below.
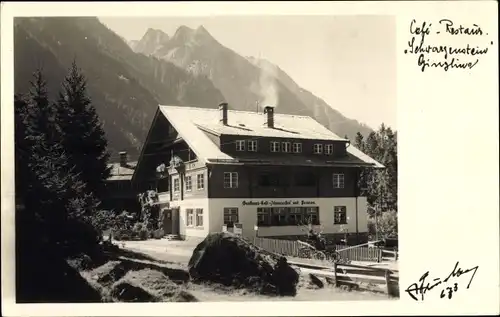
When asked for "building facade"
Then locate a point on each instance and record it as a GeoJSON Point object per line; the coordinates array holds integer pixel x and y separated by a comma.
{"type": "Point", "coordinates": [271, 173]}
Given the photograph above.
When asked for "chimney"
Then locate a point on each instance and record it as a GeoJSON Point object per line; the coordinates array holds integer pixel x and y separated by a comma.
{"type": "Point", "coordinates": [123, 159]}
{"type": "Point", "coordinates": [223, 113]}
{"type": "Point", "coordinates": [270, 116]}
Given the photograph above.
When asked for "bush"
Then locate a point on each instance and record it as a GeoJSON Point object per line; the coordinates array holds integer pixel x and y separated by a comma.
{"type": "Point", "coordinates": [138, 227]}
{"type": "Point", "coordinates": [123, 234]}
{"type": "Point", "coordinates": [143, 234]}
{"type": "Point", "coordinates": [158, 234]}
{"type": "Point", "coordinates": [387, 225]}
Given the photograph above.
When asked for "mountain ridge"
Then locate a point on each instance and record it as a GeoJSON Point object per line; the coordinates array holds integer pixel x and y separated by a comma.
{"type": "Point", "coordinates": [126, 86]}
{"type": "Point", "coordinates": [245, 82]}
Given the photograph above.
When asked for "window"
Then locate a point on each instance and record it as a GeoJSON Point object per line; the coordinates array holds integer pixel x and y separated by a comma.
{"type": "Point", "coordinates": [297, 148]}
{"type": "Point", "coordinates": [287, 216]}
{"type": "Point", "coordinates": [252, 145]}
{"type": "Point", "coordinates": [200, 181]}
{"type": "Point", "coordinates": [275, 146]}
{"type": "Point", "coordinates": [263, 216]}
{"type": "Point", "coordinates": [230, 216]}
{"type": "Point", "coordinates": [296, 216]}
{"type": "Point", "coordinates": [199, 217]}
{"type": "Point", "coordinates": [338, 180]}
{"type": "Point", "coordinates": [189, 184]}
{"type": "Point", "coordinates": [305, 179]}
{"type": "Point", "coordinates": [329, 149]}
{"type": "Point", "coordinates": [318, 148]}
{"type": "Point", "coordinates": [286, 147]}
{"type": "Point", "coordinates": [268, 179]}
{"type": "Point", "coordinates": [339, 215]}
{"type": "Point", "coordinates": [176, 185]}
{"type": "Point", "coordinates": [240, 145]}
{"type": "Point", "coordinates": [279, 216]}
{"type": "Point", "coordinates": [189, 217]}
{"type": "Point", "coordinates": [230, 180]}
{"type": "Point", "coordinates": [312, 214]}
{"type": "Point", "coordinates": [170, 130]}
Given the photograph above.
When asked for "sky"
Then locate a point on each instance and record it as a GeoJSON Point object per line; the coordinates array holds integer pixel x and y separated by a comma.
{"type": "Point", "coordinates": [348, 61]}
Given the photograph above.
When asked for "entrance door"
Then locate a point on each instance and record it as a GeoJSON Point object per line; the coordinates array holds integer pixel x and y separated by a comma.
{"type": "Point", "coordinates": [167, 221]}
{"type": "Point", "coordinates": [175, 220]}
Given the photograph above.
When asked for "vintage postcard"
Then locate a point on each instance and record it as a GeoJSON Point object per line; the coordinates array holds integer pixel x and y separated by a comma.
{"type": "Point", "coordinates": [250, 158]}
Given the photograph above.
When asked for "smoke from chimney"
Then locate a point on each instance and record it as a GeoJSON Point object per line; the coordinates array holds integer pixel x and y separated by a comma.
{"type": "Point", "coordinates": [267, 81]}
{"type": "Point", "coordinates": [223, 112]}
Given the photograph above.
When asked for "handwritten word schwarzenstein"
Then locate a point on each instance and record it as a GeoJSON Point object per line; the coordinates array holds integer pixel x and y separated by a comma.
{"type": "Point", "coordinates": [446, 57]}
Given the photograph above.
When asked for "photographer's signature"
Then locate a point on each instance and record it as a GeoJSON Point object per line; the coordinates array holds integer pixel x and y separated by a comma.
{"type": "Point", "coordinates": [448, 286]}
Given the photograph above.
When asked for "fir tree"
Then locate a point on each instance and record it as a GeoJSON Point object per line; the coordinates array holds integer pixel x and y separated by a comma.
{"type": "Point", "coordinates": [359, 141]}
{"type": "Point", "coordinates": [82, 135]}
{"type": "Point", "coordinates": [48, 188]}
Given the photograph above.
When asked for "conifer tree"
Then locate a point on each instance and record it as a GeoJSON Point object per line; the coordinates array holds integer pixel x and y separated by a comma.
{"type": "Point", "coordinates": [359, 141]}
{"type": "Point", "coordinates": [46, 184]}
{"type": "Point", "coordinates": [82, 135]}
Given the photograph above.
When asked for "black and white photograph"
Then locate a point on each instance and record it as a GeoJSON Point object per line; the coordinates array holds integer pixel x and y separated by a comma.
{"type": "Point", "coordinates": [227, 158]}
{"type": "Point", "coordinates": [193, 168]}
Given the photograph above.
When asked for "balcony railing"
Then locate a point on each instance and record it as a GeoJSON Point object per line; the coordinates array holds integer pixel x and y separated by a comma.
{"type": "Point", "coordinates": [163, 197]}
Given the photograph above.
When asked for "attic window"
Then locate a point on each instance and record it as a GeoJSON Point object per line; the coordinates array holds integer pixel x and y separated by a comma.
{"type": "Point", "coordinates": [297, 147]}
{"type": "Point", "coordinates": [240, 145]}
{"type": "Point", "coordinates": [286, 147]}
{"type": "Point", "coordinates": [329, 149]}
{"type": "Point", "coordinates": [275, 146]}
{"type": "Point", "coordinates": [252, 145]}
{"type": "Point", "coordinates": [318, 148]}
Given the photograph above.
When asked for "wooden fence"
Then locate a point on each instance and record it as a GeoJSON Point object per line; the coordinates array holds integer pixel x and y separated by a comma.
{"type": "Point", "coordinates": [291, 248]}
{"type": "Point", "coordinates": [357, 276]}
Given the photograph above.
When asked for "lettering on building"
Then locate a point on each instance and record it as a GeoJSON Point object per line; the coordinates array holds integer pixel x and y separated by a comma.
{"type": "Point", "coordinates": [270, 203]}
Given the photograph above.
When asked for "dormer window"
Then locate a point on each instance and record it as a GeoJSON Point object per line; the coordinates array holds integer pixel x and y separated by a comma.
{"type": "Point", "coordinates": [275, 146]}
{"type": "Point", "coordinates": [318, 148]}
{"type": "Point", "coordinates": [252, 145]}
{"type": "Point", "coordinates": [240, 145]}
{"type": "Point", "coordinates": [297, 148]}
{"type": "Point", "coordinates": [286, 147]}
{"type": "Point", "coordinates": [329, 149]}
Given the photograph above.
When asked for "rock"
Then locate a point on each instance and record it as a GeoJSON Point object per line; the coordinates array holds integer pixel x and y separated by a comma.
{"type": "Point", "coordinates": [125, 292]}
{"type": "Point", "coordinates": [184, 296]}
{"type": "Point", "coordinates": [232, 261]}
{"type": "Point", "coordinates": [314, 280]}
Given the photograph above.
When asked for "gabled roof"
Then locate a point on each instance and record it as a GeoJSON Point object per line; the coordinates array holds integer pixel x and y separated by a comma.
{"type": "Point", "coordinates": [193, 124]}
{"type": "Point", "coordinates": [119, 172]}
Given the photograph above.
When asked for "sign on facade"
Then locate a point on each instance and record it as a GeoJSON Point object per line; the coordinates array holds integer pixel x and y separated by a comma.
{"type": "Point", "coordinates": [238, 229]}
{"type": "Point", "coordinates": [269, 203]}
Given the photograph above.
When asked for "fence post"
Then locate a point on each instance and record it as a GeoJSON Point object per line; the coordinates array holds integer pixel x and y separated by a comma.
{"type": "Point", "coordinates": [335, 274]}
{"type": "Point", "coordinates": [388, 282]}
{"type": "Point", "coordinates": [379, 255]}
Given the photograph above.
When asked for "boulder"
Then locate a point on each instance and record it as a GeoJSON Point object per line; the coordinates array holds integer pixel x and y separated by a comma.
{"type": "Point", "coordinates": [230, 260]}
{"type": "Point", "coordinates": [125, 292]}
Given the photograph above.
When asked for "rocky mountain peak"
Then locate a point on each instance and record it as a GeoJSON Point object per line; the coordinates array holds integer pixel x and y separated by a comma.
{"type": "Point", "coordinates": [156, 35]}
{"type": "Point", "coordinates": [151, 40]}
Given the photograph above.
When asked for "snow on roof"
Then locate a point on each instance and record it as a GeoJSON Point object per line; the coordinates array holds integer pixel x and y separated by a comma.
{"type": "Point", "coordinates": [191, 122]}
{"type": "Point", "coordinates": [119, 172]}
